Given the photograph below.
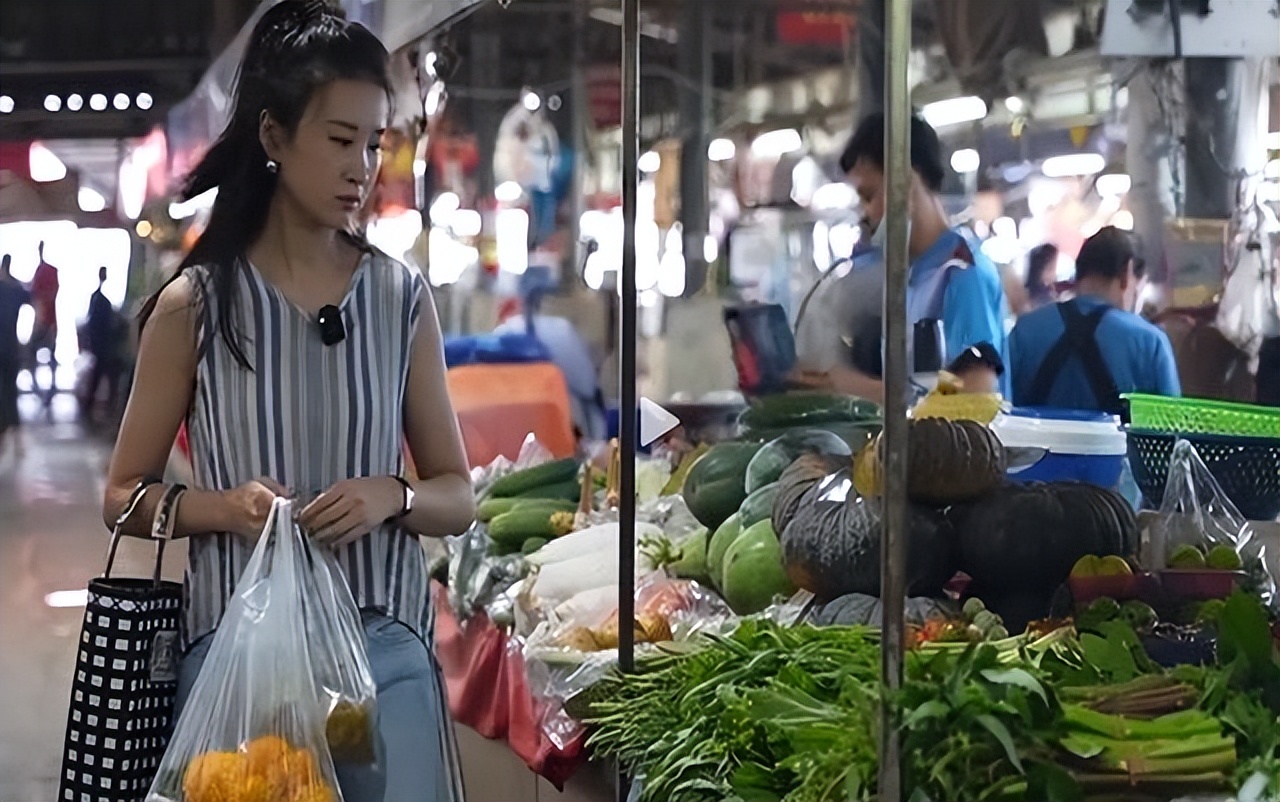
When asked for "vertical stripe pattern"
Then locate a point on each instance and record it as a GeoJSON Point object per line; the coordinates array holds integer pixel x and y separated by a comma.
{"type": "Point", "coordinates": [309, 415]}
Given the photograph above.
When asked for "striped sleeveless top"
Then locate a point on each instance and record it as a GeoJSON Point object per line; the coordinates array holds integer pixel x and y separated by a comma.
{"type": "Point", "coordinates": [308, 415]}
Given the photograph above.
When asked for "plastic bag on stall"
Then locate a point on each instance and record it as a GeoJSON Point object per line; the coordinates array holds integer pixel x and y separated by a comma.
{"type": "Point", "coordinates": [257, 722]}
{"type": "Point", "coordinates": [532, 453]}
{"type": "Point", "coordinates": [478, 580]}
{"type": "Point", "coordinates": [1197, 513]}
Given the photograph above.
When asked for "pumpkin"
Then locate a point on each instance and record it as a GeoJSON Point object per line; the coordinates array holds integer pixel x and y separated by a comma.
{"type": "Point", "coordinates": [769, 462]}
{"type": "Point", "coordinates": [948, 461]}
{"type": "Point", "coordinates": [1026, 537]}
{"type": "Point", "coordinates": [804, 473]}
{"type": "Point", "coordinates": [856, 609]}
{"type": "Point", "coordinates": [831, 547]}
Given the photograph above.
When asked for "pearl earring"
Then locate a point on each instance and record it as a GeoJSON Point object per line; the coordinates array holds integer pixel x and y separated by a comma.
{"type": "Point", "coordinates": [273, 166]}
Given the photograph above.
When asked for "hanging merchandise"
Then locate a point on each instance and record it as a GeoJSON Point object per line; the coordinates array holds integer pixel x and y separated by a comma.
{"type": "Point", "coordinates": [1249, 311]}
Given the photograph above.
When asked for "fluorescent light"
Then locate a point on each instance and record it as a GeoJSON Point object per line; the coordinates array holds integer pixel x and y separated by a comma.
{"type": "Point", "coordinates": [1014, 104]}
{"type": "Point", "coordinates": [966, 160]}
{"type": "Point", "coordinates": [531, 101]}
{"type": "Point", "coordinates": [181, 211]}
{"type": "Point", "coordinates": [834, 196]}
{"type": "Point", "coordinates": [650, 162]}
{"type": "Point", "coordinates": [67, 598]}
{"type": "Point", "coordinates": [1074, 164]}
{"type": "Point", "coordinates": [954, 111]}
{"type": "Point", "coordinates": [775, 144]}
{"type": "Point", "coordinates": [513, 241]}
{"type": "Point", "coordinates": [710, 249]}
{"type": "Point", "coordinates": [91, 200]}
{"type": "Point", "coordinates": [435, 96]}
{"type": "Point", "coordinates": [419, 167]}
{"type": "Point", "coordinates": [144, 101]}
{"type": "Point", "coordinates": [44, 164]}
{"type": "Point", "coordinates": [721, 150]}
{"type": "Point", "coordinates": [98, 102]}
{"type": "Point", "coordinates": [466, 223]}
{"type": "Point", "coordinates": [1113, 184]}
{"type": "Point", "coordinates": [443, 207]}
{"type": "Point", "coordinates": [6, 104]}
{"type": "Point", "coordinates": [52, 103]}
{"type": "Point", "coordinates": [508, 192]}
{"type": "Point", "coordinates": [74, 103]}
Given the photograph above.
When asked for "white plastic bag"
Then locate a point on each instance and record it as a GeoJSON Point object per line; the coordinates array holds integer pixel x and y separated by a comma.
{"type": "Point", "coordinates": [287, 663]}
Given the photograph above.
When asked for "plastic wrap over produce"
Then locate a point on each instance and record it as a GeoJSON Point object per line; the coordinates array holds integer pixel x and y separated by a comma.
{"type": "Point", "coordinates": [577, 644]}
{"type": "Point", "coordinates": [285, 688]}
{"type": "Point", "coordinates": [480, 581]}
{"type": "Point", "coordinates": [1200, 528]}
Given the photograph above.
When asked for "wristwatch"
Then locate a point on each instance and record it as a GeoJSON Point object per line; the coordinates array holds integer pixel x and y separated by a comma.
{"type": "Point", "coordinates": [407, 506]}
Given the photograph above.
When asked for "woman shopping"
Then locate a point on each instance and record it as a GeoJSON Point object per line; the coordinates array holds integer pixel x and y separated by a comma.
{"type": "Point", "coordinates": [301, 359]}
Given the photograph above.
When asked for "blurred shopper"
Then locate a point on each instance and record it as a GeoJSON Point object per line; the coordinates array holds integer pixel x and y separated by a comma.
{"type": "Point", "coordinates": [1041, 283]}
{"type": "Point", "coordinates": [1083, 353]}
{"type": "Point", "coordinates": [13, 296]}
{"type": "Point", "coordinates": [301, 357]}
{"type": "Point", "coordinates": [103, 332]}
{"type": "Point", "coordinates": [44, 332]}
{"type": "Point", "coordinates": [951, 280]}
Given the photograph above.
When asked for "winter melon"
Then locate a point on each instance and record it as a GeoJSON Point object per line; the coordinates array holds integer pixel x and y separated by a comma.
{"type": "Point", "coordinates": [753, 571]}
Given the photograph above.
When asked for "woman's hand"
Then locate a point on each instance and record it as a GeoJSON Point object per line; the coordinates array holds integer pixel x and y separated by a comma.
{"type": "Point", "coordinates": [352, 509]}
{"type": "Point", "coordinates": [249, 506]}
{"type": "Point", "coordinates": [838, 379]}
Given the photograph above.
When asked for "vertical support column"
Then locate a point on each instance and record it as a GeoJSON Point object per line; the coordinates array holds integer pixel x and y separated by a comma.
{"type": "Point", "coordinates": [695, 120]}
{"type": "Point", "coordinates": [897, 163]}
{"type": "Point", "coordinates": [1214, 89]}
{"type": "Point", "coordinates": [1150, 157]}
{"type": "Point", "coordinates": [579, 111]}
{"type": "Point", "coordinates": [871, 58]}
{"type": "Point", "coordinates": [627, 338]}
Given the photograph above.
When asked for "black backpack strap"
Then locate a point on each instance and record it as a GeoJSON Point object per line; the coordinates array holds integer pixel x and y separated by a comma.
{"type": "Point", "coordinates": [1078, 341]}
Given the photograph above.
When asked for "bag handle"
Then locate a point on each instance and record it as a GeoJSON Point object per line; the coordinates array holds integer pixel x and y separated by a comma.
{"type": "Point", "coordinates": [130, 508]}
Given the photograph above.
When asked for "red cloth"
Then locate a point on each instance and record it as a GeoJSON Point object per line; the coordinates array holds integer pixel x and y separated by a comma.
{"type": "Point", "coordinates": [485, 679]}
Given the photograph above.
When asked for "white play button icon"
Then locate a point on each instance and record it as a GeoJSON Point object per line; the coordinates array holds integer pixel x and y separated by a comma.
{"type": "Point", "coordinates": [654, 421]}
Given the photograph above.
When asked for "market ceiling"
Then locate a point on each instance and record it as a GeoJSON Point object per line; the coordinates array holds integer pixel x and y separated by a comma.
{"type": "Point", "coordinates": [139, 56]}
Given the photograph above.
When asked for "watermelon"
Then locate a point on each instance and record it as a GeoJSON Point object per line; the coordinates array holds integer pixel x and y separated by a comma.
{"type": "Point", "coordinates": [753, 571]}
{"type": "Point", "coordinates": [716, 486]}
{"type": "Point", "coordinates": [770, 461]}
{"type": "Point", "coordinates": [718, 545]}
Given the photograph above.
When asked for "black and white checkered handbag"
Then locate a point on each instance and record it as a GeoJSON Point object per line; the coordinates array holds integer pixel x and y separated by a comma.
{"type": "Point", "coordinates": [125, 679]}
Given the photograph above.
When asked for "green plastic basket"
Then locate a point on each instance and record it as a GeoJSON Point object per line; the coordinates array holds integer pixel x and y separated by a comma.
{"type": "Point", "coordinates": [1200, 416]}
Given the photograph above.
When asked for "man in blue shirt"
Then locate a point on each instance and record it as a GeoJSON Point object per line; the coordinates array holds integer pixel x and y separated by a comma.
{"type": "Point", "coordinates": [1083, 353]}
{"type": "Point", "coordinates": [950, 279]}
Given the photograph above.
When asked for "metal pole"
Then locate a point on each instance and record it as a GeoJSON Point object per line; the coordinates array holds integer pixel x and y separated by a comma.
{"type": "Point", "coordinates": [627, 341]}
{"type": "Point", "coordinates": [897, 183]}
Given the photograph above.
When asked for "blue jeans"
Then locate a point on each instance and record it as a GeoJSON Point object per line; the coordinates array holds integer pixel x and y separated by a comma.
{"type": "Point", "coordinates": [417, 755]}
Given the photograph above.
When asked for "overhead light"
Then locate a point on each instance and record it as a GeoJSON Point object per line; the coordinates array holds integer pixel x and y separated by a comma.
{"type": "Point", "coordinates": [649, 162]}
{"type": "Point", "coordinates": [435, 96]}
{"type": "Point", "coordinates": [512, 241]}
{"type": "Point", "coordinates": [466, 223]}
{"type": "Point", "coordinates": [1074, 164]}
{"type": "Point", "coordinates": [833, 197]}
{"type": "Point", "coordinates": [442, 209]}
{"type": "Point", "coordinates": [1014, 104]}
{"type": "Point", "coordinates": [98, 102]}
{"type": "Point", "coordinates": [1123, 220]}
{"type": "Point", "coordinates": [185, 209]}
{"type": "Point", "coordinates": [429, 63]}
{"type": "Point", "coordinates": [44, 164]}
{"type": "Point", "coordinates": [91, 200]}
{"type": "Point", "coordinates": [508, 192]}
{"type": "Point", "coordinates": [1113, 184]}
{"type": "Point", "coordinates": [120, 101]}
{"type": "Point", "coordinates": [1273, 140]}
{"type": "Point", "coordinates": [144, 101]}
{"type": "Point", "coordinates": [1272, 170]}
{"type": "Point", "coordinates": [143, 228]}
{"type": "Point", "coordinates": [52, 103]}
{"type": "Point", "coordinates": [531, 101]}
{"type": "Point", "coordinates": [966, 160]}
{"type": "Point", "coordinates": [721, 150]}
{"type": "Point", "coordinates": [74, 103]}
{"type": "Point", "coordinates": [6, 104]}
{"type": "Point", "coordinates": [954, 111]}
{"type": "Point", "coordinates": [419, 167]}
{"type": "Point", "coordinates": [775, 144]}
{"type": "Point", "coordinates": [710, 249]}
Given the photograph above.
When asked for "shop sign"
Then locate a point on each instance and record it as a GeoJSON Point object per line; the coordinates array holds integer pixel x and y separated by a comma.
{"type": "Point", "coordinates": [604, 95]}
{"type": "Point", "coordinates": [815, 28]}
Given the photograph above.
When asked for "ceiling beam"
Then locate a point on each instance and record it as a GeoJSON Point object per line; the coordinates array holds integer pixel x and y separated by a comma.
{"type": "Point", "coordinates": [45, 68]}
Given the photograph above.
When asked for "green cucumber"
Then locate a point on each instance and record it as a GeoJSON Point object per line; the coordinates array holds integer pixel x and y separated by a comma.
{"type": "Point", "coordinates": [549, 473]}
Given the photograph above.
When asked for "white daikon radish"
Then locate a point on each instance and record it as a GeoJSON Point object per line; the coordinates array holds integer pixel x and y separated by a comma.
{"type": "Point", "coordinates": [589, 607]}
{"type": "Point", "coordinates": [595, 540]}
